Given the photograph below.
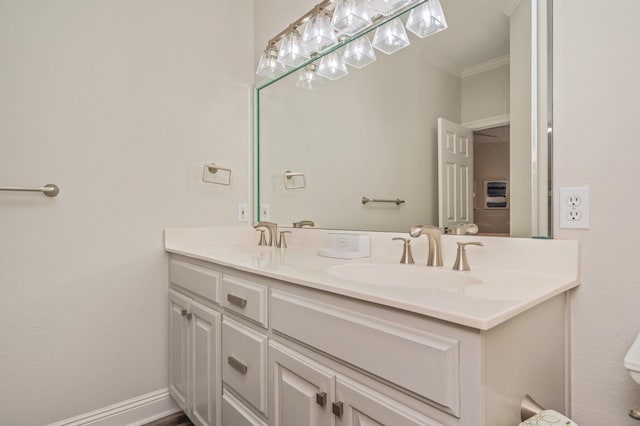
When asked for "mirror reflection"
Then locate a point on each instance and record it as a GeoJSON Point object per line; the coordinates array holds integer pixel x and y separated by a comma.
{"type": "Point", "coordinates": [439, 132]}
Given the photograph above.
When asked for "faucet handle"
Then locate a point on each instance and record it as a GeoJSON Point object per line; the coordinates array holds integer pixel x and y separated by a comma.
{"type": "Point", "coordinates": [407, 256]}
{"type": "Point", "coordinates": [282, 241]}
{"type": "Point", "coordinates": [461, 259]}
{"type": "Point", "coordinates": [464, 228]}
{"type": "Point", "coordinates": [263, 240]}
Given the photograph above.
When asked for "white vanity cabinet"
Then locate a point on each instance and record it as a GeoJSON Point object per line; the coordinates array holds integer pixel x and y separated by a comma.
{"type": "Point", "coordinates": [305, 392]}
{"type": "Point", "coordinates": [194, 347]}
{"type": "Point", "coordinates": [290, 355]}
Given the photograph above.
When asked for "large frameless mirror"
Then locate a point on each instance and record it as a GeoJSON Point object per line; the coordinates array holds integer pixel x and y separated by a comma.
{"type": "Point", "coordinates": [451, 128]}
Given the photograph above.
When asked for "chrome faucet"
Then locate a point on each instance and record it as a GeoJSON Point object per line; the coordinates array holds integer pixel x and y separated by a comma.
{"type": "Point", "coordinates": [303, 223]}
{"type": "Point", "coordinates": [433, 234]}
{"type": "Point", "coordinates": [272, 228]}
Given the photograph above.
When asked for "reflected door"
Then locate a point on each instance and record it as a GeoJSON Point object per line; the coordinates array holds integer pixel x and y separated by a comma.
{"type": "Point", "coordinates": [455, 173]}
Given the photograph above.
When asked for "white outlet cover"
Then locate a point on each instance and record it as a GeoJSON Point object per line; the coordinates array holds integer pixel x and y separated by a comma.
{"type": "Point", "coordinates": [574, 215]}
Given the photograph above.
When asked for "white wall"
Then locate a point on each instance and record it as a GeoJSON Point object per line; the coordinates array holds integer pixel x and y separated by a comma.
{"type": "Point", "coordinates": [485, 94]}
{"type": "Point", "coordinates": [596, 113]}
{"type": "Point", "coordinates": [119, 103]}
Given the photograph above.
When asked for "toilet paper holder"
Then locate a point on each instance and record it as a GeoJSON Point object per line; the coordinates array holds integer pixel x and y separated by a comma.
{"type": "Point", "coordinates": [529, 408]}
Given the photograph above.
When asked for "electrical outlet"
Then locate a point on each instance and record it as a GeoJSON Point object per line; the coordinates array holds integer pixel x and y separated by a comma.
{"type": "Point", "coordinates": [265, 212]}
{"type": "Point", "coordinates": [243, 214]}
{"type": "Point", "coordinates": [574, 208]}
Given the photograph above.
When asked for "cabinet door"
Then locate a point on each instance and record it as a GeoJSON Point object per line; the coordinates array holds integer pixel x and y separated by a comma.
{"type": "Point", "coordinates": [302, 390]}
{"type": "Point", "coordinates": [178, 349]}
{"type": "Point", "coordinates": [234, 413]}
{"type": "Point", "coordinates": [206, 390]}
{"type": "Point", "coordinates": [358, 405]}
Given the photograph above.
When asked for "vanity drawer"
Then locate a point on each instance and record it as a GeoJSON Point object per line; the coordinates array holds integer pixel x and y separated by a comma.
{"type": "Point", "coordinates": [244, 362]}
{"type": "Point", "coordinates": [236, 414]}
{"type": "Point", "coordinates": [422, 362]}
{"type": "Point", "coordinates": [246, 298]}
{"type": "Point", "coordinates": [200, 280]}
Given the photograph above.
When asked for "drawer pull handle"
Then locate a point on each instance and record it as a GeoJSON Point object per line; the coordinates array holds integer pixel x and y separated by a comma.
{"type": "Point", "coordinates": [337, 408]}
{"type": "Point", "coordinates": [321, 399]}
{"type": "Point", "coordinates": [238, 365]}
{"type": "Point", "coordinates": [235, 300]}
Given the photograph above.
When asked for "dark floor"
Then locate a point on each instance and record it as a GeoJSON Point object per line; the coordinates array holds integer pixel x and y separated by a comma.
{"type": "Point", "coordinates": [177, 419]}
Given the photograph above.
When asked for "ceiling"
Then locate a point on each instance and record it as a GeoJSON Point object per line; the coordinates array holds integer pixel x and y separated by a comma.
{"type": "Point", "coordinates": [478, 31]}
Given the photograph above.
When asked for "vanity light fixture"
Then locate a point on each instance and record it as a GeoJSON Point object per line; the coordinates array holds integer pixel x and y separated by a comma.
{"type": "Point", "coordinates": [309, 78]}
{"type": "Point", "coordinates": [269, 66]}
{"type": "Point", "coordinates": [292, 53]}
{"type": "Point", "coordinates": [359, 53]}
{"type": "Point", "coordinates": [318, 32]}
{"type": "Point", "coordinates": [350, 16]}
{"type": "Point", "coordinates": [386, 7]}
{"type": "Point", "coordinates": [391, 37]}
{"type": "Point", "coordinates": [332, 66]}
{"type": "Point", "coordinates": [427, 19]}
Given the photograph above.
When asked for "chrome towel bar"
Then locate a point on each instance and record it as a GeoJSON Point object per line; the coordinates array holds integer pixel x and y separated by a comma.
{"type": "Point", "coordinates": [50, 190]}
{"type": "Point", "coordinates": [366, 200]}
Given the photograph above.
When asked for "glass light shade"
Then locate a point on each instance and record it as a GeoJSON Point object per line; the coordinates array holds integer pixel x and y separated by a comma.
{"type": "Point", "coordinates": [332, 67]}
{"type": "Point", "coordinates": [350, 16]}
{"type": "Point", "coordinates": [387, 7]}
{"type": "Point", "coordinates": [427, 19]}
{"type": "Point", "coordinates": [309, 79]}
{"type": "Point", "coordinates": [292, 53]}
{"type": "Point", "coordinates": [269, 66]}
{"type": "Point", "coordinates": [391, 37]}
{"type": "Point", "coordinates": [359, 53]}
{"type": "Point", "coordinates": [318, 34]}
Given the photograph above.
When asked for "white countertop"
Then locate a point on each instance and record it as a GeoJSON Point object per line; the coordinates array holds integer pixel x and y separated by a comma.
{"type": "Point", "coordinates": [514, 274]}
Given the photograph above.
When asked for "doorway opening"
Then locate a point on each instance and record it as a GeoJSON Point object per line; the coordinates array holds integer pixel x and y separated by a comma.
{"type": "Point", "coordinates": [491, 180]}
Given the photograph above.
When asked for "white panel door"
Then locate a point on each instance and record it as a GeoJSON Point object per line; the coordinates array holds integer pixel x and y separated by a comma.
{"type": "Point", "coordinates": [178, 349]}
{"type": "Point", "coordinates": [206, 382]}
{"type": "Point", "coordinates": [358, 405]}
{"type": "Point", "coordinates": [455, 173]}
{"type": "Point", "coordinates": [302, 391]}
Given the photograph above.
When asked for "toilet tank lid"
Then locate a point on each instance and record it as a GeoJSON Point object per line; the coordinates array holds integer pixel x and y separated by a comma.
{"type": "Point", "coordinates": [632, 359]}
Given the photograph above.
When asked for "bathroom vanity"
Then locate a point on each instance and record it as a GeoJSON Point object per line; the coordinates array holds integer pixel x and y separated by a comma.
{"type": "Point", "coordinates": [269, 336]}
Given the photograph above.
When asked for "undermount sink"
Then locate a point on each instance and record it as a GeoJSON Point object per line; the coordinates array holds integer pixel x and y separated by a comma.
{"type": "Point", "coordinates": [397, 275]}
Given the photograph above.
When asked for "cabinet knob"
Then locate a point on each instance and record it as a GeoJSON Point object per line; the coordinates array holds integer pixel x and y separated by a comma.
{"type": "Point", "coordinates": [337, 408]}
{"type": "Point", "coordinates": [321, 399]}
{"type": "Point", "coordinates": [189, 316]}
{"type": "Point", "coordinates": [183, 312]}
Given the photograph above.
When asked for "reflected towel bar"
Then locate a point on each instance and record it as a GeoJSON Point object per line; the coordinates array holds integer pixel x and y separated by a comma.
{"type": "Point", "coordinates": [212, 169]}
{"type": "Point", "coordinates": [366, 200]}
{"type": "Point", "coordinates": [50, 190]}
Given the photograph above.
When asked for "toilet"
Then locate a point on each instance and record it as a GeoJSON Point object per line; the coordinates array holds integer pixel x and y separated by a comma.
{"type": "Point", "coordinates": [632, 360]}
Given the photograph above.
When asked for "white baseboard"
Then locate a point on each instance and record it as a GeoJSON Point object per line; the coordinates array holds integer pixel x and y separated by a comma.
{"type": "Point", "coordinates": [132, 412]}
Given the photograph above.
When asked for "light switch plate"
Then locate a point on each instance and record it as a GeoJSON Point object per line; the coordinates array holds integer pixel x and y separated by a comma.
{"type": "Point", "coordinates": [243, 213]}
{"type": "Point", "coordinates": [265, 212]}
